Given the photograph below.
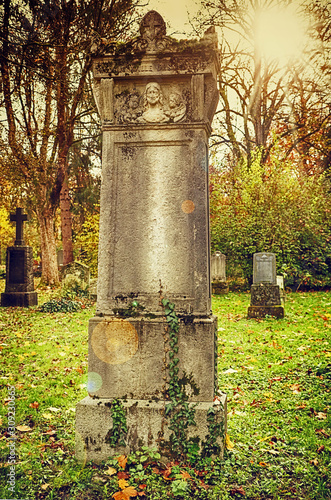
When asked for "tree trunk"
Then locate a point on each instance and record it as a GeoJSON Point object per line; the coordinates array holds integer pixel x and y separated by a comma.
{"type": "Point", "coordinates": [66, 223]}
{"type": "Point", "coordinates": [50, 273]}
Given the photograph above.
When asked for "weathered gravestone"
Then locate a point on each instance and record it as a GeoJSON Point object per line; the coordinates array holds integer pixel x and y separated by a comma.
{"type": "Point", "coordinates": [218, 275]}
{"type": "Point", "coordinates": [156, 98]}
{"type": "Point", "coordinates": [19, 289]}
{"type": "Point", "coordinates": [280, 283]}
{"type": "Point", "coordinates": [265, 293]}
{"type": "Point", "coordinates": [79, 270]}
{"type": "Point", "coordinates": [59, 257]}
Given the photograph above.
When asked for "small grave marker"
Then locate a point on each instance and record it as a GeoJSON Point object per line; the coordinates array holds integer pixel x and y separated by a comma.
{"type": "Point", "coordinates": [266, 296]}
{"type": "Point", "coordinates": [218, 274]}
{"type": "Point", "coordinates": [19, 289]}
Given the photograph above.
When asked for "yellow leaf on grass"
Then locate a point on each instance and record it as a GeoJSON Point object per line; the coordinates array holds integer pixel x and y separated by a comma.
{"type": "Point", "coordinates": [47, 415]}
{"type": "Point", "coordinates": [23, 428]}
{"type": "Point", "coordinates": [125, 494]}
{"type": "Point", "coordinates": [321, 416]}
{"type": "Point", "coordinates": [111, 471]}
{"type": "Point", "coordinates": [44, 486]}
{"type": "Point", "coordinates": [122, 483]}
{"type": "Point", "coordinates": [122, 459]}
{"type": "Point", "coordinates": [228, 443]}
{"type": "Point", "coordinates": [295, 388]}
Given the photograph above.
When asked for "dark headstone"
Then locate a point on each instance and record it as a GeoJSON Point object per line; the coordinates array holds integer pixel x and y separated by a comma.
{"type": "Point", "coordinates": [19, 289]}
{"type": "Point", "coordinates": [60, 258]}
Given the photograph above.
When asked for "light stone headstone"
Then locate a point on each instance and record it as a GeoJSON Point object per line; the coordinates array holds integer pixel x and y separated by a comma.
{"type": "Point", "coordinates": [280, 283]}
{"type": "Point", "coordinates": [218, 260]}
{"type": "Point", "coordinates": [218, 274]}
{"type": "Point", "coordinates": [156, 98]}
{"type": "Point", "coordinates": [264, 268]}
{"type": "Point", "coordinates": [79, 270]}
{"type": "Point", "coordinates": [266, 297]}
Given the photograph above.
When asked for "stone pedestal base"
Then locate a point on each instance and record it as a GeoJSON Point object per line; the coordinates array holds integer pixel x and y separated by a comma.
{"type": "Point", "coordinates": [127, 357]}
{"type": "Point", "coordinates": [146, 423]}
{"type": "Point", "coordinates": [219, 287]}
{"type": "Point", "coordinates": [265, 300]}
{"type": "Point", "coordinates": [263, 311]}
{"type": "Point", "coordinates": [19, 299]}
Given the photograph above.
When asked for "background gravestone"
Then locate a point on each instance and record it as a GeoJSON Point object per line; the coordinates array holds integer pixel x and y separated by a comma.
{"type": "Point", "coordinates": [265, 293]}
{"type": "Point", "coordinates": [280, 283]}
{"type": "Point", "coordinates": [218, 273]}
{"type": "Point", "coordinates": [79, 270]}
{"type": "Point", "coordinates": [59, 257]}
{"type": "Point", "coordinates": [19, 289]}
{"type": "Point", "coordinates": [156, 98]}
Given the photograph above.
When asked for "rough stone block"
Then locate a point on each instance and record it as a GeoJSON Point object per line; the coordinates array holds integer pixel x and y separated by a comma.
{"type": "Point", "coordinates": [265, 294]}
{"type": "Point", "coordinates": [147, 426]}
{"type": "Point", "coordinates": [126, 356]}
{"type": "Point", "coordinates": [263, 311]}
{"type": "Point", "coordinates": [19, 299]}
{"type": "Point", "coordinates": [219, 287]}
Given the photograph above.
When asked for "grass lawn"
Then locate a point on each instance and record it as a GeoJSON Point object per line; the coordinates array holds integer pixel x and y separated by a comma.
{"type": "Point", "coordinates": [276, 374]}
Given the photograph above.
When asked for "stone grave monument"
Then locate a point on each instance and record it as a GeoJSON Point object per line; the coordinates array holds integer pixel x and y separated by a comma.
{"type": "Point", "coordinates": [156, 98]}
{"type": "Point", "coordinates": [218, 276]}
{"type": "Point", "coordinates": [265, 292]}
{"type": "Point", "coordinates": [280, 283]}
{"type": "Point", "coordinates": [19, 289]}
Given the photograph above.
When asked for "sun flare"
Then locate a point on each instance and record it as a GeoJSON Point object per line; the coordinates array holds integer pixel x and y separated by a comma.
{"type": "Point", "coordinates": [281, 33]}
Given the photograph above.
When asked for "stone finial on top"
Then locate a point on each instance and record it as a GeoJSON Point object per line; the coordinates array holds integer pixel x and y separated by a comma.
{"type": "Point", "coordinates": [152, 33]}
{"type": "Point", "coordinates": [152, 26]}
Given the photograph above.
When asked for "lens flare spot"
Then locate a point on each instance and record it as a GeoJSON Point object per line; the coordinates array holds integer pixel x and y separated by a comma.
{"type": "Point", "coordinates": [188, 206]}
{"type": "Point", "coordinates": [115, 341]}
{"type": "Point", "coordinates": [94, 382]}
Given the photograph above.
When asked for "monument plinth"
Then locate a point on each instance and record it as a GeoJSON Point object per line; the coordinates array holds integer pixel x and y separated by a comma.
{"type": "Point", "coordinates": [19, 291]}
{"type": "Point", "coordinates": [156, 98]}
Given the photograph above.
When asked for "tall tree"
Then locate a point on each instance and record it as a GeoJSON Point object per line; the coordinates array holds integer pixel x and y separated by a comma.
{"type": "Point", "coordinates": [263, 99]}
{"type": "Point", "coordinates": [45, 59]}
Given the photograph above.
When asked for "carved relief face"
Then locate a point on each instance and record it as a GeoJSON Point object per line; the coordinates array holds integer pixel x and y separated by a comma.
{"type": "Point", "coordinates": [174, 100]}
{"type": "Point", "coordinates": [153, 94]}
{"type": "Point", "coordinates": [134, 102]}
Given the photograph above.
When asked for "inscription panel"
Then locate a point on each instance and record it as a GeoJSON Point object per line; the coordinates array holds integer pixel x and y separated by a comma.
{"type": "Point", "coordinates": [17, 266]}
{"type": "Point", "coordinates": [264, 268]}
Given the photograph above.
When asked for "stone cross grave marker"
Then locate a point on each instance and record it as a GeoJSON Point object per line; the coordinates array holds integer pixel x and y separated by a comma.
{"type": "Point", "coordinates": [19, 218]}
{"type": "Point", "coordinates": [19, 289]}
{"type": "Point", "coordinates": [156, 98]}
{"type": "Point", "coordinates": [265, 292]}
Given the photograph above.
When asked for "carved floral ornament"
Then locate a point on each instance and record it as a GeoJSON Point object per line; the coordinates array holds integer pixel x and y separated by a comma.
{"type": "Point", "coordinates": [151, 106]}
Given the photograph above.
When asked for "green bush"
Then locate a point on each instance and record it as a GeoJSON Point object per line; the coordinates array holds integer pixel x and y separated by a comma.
{"type": "Point", "coordinates": [87, 241]}
{"type": "Point", "coordinates": [272, 208]}
{"type": "Point", "coordinates": [60, 305]}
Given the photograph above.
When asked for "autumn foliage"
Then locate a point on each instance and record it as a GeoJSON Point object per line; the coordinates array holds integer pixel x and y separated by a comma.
{"type": "Point", "coordinates": [273, 208]}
